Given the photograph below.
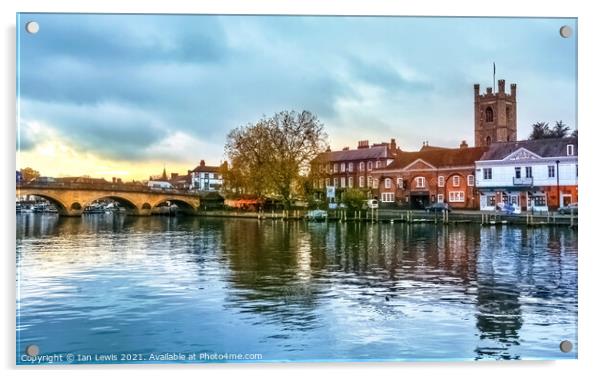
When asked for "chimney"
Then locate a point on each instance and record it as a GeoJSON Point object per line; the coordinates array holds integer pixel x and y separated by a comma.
{"type": "Point", "coordinates": [114, 180]}
{"type": "Point", "coordinates": [363, 144]}
{"type": "Point", "coordinates": [489, 90]}
{"type": "Point", "coordinates": [202, 163]}
{"type": "Point", "coordinates": [477, 90]}
{"type": "Point", "coordinates": [501, 86]}
{"type": "Point", "coordinates": [174, 176]}
{"type": "Point", "coordinates": [393, 144]}
{"type": "Point", "coordinates": [463, 144]}
{"type": "Point", "coordinates": [513, 90]}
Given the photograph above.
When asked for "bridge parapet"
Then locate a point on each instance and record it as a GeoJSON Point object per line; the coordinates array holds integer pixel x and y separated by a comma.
{"type": "Point", "coordinates": [72, 199]}
{"type": "Point", "coordinates": [105, 187]}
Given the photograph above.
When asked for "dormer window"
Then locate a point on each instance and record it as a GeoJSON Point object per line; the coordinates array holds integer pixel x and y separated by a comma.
{"type": "Point", "coordinates": [570, 150]}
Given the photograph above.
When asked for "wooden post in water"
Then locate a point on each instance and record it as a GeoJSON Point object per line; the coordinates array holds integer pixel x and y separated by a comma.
{"type": "Point", "coordinates": [572, 223]}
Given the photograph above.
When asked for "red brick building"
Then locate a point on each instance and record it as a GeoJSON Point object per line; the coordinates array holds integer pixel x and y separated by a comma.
{"type": "Point", "coordinates": [433, 174]}
{"type": "Point", "coordinates": [349, 168]}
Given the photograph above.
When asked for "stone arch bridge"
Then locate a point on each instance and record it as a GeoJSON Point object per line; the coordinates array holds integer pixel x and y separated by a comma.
{"type": "Point", "coordinates": [72, 199]}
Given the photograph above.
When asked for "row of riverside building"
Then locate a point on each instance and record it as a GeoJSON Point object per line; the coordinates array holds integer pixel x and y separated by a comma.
{"type": "Point", "coordinates": [537, 175]}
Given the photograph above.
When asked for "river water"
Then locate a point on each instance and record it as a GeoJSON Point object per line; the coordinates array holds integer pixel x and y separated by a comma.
{"type": "Point", "coordinates": [241, 289]}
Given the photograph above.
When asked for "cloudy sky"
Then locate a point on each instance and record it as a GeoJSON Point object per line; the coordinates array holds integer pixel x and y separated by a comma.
{"type": "Point", "coordinates": [124, 95]}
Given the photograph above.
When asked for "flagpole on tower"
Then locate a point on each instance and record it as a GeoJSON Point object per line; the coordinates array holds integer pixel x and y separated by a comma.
{"type": "Point", "coordinates": [493, 77]}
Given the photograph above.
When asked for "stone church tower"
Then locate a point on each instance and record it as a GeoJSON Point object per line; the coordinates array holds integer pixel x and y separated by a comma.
{"type": "Point", "coordinates": [494, 115]}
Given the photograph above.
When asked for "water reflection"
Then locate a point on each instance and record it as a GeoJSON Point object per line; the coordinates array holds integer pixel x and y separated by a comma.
{"type": "Point", "coordinates": [293, 290]}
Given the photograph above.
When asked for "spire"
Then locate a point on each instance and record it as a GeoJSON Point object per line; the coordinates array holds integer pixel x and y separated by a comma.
{"type": "Point", "coordinates": [164, 176]}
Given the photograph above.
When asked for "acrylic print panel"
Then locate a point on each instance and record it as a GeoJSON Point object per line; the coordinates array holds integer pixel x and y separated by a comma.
{"type": "Point", "coordinates": [203, 188]}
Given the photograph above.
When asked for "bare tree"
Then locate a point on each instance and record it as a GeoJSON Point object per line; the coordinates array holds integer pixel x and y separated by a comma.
{"type": "Point", "coordinates": [270, 156]}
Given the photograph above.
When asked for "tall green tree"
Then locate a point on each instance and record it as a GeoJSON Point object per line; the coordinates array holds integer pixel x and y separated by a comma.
{"type": "Point", "coordinates": [269, 157]}
{"type": "Point", "coordinates": [560, 130]}
{"type": "Point", "coordinates": [540, 130]}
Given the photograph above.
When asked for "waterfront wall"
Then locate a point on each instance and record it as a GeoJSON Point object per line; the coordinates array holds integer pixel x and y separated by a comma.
{"type": "Point", "coordinates": [411, 216]}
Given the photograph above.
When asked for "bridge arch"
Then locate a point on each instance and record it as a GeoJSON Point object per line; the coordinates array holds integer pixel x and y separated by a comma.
{"type": "Point", "coordinates": [61, 207]}
{"type": "Point", "coordinates": [128, 203]}
{"type": "Point", "coordinates": [186, 206]}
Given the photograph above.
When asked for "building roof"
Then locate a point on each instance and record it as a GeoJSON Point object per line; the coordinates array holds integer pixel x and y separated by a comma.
{"type": "Point", "coordinates": [205, 168]}
{"type": "Point", "coordinates": [541, 147]}
{"type": "Point", "coordinates": [438, 157]}
{"type": "Point", "coordinates": [375, 152]}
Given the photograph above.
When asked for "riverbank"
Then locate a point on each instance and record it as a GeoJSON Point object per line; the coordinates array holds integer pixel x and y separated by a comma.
{"type": "Point", "coordinates": [411, 216]}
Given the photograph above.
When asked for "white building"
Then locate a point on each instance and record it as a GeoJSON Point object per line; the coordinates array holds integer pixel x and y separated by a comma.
{"type": "Point", "coordinates": [206, 178]}
{"type": "Point", "coordinates": [529, 175]}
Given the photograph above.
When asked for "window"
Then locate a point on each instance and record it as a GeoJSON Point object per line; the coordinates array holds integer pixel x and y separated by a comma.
{"type": "Point", "coordinates": [327, 182]}
{"type": "Point", "coordinates": [350, 167]}
{"type": "Point", "coordinates": [456, 196]}
{"type": "Point", "coordinates": [517, 172]}
{"type": "Point", "coordinates": [400, 183]}
{"type": "Point", "coordinates": [490, 200]}
{"type": "Point", "coordinates": [539, 200]}
{"type": "Point", "coordinates": [361, 181]}
{"type": "Point", "coordinates": [488, 141]}
{"type": "Point", "coordinates": [456, 181]}
{"type": "Point", "coordinates": [342, 167]}
{"type": "Point", "coordinates": [369, 165]}
{"type": "Point", "coordinates": [507, 113]}
{"type": "Point", "coordinates": [470, 180]}
{"type": "Point", "coordinates": [387, 183]}
{"type": "Point", "coordinates": [551, 171]}
{"type": "Point", "coordinates": [528, 172]}
{"type": "Point", "coordinates": [570, 150]}
{"type": "Point", "coordinates": [441, 181]}
{"type": "Point", "coordinates": [350, 182]}
{"type": "Point", "coordinates": [387, 197]}
{"type": "Point", "coordinates": [321, 183]}
{"type": "Point", "coordinates": [487, 174]}
{"type": "Point", "coordinates": [375, 183]}
{"type": "Point", "coordinates": [489, 114]}
{"type": "Point", "coordinates": [420, 182]}
{"type": "Point", "coordinates": [440, 198]}
{"type": "Point", "coordinates": [336, 182]}
{"type": "Point", "coordinates": [369, 181]}
{"type": "Point", "coordinates": [335, 167]}
{"type": "Point", "coordinates": [361, 166]}
{"type": "Point", "coordinates": [377, 164]}
{"type": "Point", "coordinates": [343, 182]}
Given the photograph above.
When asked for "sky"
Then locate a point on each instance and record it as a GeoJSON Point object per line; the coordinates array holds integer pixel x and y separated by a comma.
{"type": "Point", "coordinates": [127, 95]}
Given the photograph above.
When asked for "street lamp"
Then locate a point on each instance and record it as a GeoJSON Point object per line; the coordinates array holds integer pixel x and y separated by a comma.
{"type": "Point", "coordinates": [558, 182]}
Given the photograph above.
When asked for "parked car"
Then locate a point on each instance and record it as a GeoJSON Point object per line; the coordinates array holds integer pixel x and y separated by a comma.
{"type": "Point", "coordinates": [570, 209]}
{"type": "Point", "coordinates": [438, 207]}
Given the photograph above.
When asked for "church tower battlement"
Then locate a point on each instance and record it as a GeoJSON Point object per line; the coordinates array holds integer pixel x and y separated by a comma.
{"type": "Point", "coordinates": [494, 115]}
